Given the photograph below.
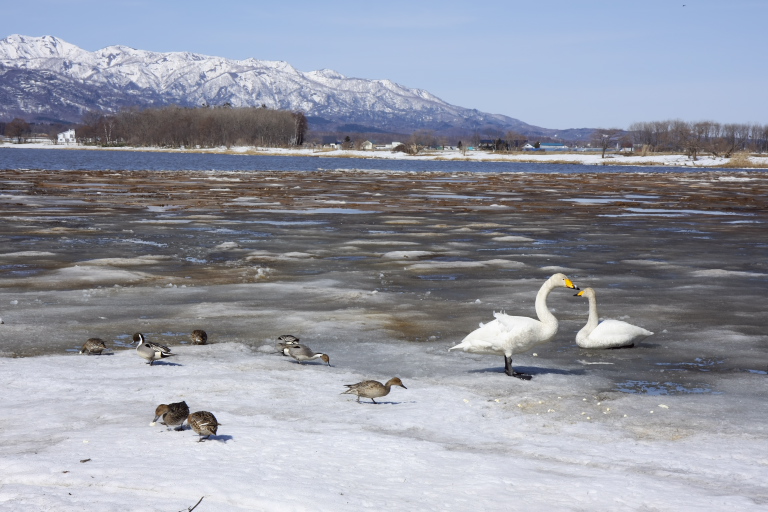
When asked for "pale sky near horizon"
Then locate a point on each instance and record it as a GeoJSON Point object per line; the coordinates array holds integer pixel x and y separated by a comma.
{"type": "Point", "coordinates": [556, 64]}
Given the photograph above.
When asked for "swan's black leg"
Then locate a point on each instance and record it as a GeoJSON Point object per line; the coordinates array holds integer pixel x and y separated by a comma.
{"type": "Point", "coordinates": [508, 365]}
{"type": "Point", "coordinates": [512, 373]}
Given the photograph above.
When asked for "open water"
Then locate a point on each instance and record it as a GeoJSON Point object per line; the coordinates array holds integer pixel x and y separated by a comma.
{"type": "Point", "coordinates": [92, 160]}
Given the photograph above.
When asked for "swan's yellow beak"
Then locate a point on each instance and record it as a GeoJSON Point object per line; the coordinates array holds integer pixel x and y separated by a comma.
{"type": "Point", "coordinates": [569, 284]}
{"type": "Point", "coordinates": [579, 294]}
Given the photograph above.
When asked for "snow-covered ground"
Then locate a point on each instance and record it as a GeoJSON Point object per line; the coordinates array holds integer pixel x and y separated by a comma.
{"type": "Point", "coordinates": [383, 271]}
{"type": "Point", "coordinates": [584, 158]}
{"type": "Point", "coordinates": [76, 435]}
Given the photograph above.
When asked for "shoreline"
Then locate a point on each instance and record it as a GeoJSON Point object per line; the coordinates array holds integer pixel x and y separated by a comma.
{"type": "Point", "coordinates": [739, 161]}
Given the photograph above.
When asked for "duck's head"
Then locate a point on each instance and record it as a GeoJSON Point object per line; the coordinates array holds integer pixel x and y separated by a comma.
{"type": "Point", "coordinates": [325, 358]}
{"type": "Point", "coordinates": [138, 338]}
{"type": "Point", "coordinates": [586, 292]}
{"type": "Point", "coordinates": [395, 381]}
{"type": "Point", "coordinates": [562, 280]}
{"type": "Point", "coordinates": [161, 410]}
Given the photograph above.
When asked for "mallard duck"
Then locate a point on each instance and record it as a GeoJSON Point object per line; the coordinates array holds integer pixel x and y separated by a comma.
{"type": "Point", "coordinates": [608, 333]}
{"type": "Point", "coordinates": [372, 388]}
{"type": "Point", "coordinates": [284, 341]}
{"type": "Point", "coordinates": [199, 337]}
{"type": "Point", "coordinates": [203, 423]}
{"type": "Point", "coordinates": [172, 415]}
{"type": "Point", "coordinates": [150, 351]}
{"type": "Point", "coordinates": [303, 353]}
{"type": "Point", "coordinates": [93, 346]}
{"type": "Point", "coordinates": [508, 335]}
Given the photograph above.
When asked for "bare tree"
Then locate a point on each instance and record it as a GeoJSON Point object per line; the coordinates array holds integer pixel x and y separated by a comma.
{"type": "Point", "coordinates": [302, 125]}
{"type": "Point", "coordinates": [605, 137]}
{"type": "Point", "coordinates": [18, 129]}
{"type": "Point", "coordinates": [516, 140]}
{"type": "Point", "coordinates": [208, 127]}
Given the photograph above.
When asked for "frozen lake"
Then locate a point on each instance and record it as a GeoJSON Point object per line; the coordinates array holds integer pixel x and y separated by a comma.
{"type": "Point", "coordinates": [384, 270]}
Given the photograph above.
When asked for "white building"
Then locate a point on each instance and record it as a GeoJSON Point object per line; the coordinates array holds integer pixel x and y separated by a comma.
{"type": "Point", "coordinates": [67, 137]}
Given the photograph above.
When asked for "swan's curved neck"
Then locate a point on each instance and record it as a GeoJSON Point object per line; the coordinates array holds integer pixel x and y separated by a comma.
{"type": "Point", "coordinates": [593, 316]}
{"type": "Point", "coordinates": [542, 311]}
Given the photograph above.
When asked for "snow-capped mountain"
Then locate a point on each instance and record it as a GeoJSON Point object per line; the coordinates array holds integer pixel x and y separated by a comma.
{"type": "Point", "coordinates": [45, 78]}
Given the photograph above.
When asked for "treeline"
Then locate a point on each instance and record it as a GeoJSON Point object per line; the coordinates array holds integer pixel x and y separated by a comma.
{"type": "Point", "coordinates": [191, 127]}
{"type": "Point", "coordinates": [703, 137]}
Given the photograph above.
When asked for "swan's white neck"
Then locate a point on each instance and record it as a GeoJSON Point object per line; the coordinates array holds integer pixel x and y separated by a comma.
{"type": "Point", "coordinates": [594, 318]}
{"type": "Point", "coordinates": [592, 321]}
{"type": "Point", "coordinates": [542, 311]}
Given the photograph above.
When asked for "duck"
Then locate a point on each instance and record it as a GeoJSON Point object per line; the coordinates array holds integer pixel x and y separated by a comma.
{"type": "Point", "coordinates": [508, 335]}
{"type": "Point", "coordinates": [372, 388]}
{"type": "Point", "coordinates": [608, 333]}
{"type": "Point", "coordinates": [204, 424]}
{"type": "Point", "coordinates": [199, 337]}
{"type": "Point", "coordinates": [303, 353]}
{"type": "Point", "coordinates": [172, 415]}
{"type": "Point", "coordinates": [150, 351]}
{"type": "Point", "coordinates": [284, 341]}
{"type": "Point", "coordinates": [93, 346]}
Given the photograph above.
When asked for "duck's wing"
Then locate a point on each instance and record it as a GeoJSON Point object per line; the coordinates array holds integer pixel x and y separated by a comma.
{"type": "Point", "coordinates": [360, 385]}
{"type": "Point", "coordinates": [299, 350]}
{"type": "Point", "coordinates": [157, 347]}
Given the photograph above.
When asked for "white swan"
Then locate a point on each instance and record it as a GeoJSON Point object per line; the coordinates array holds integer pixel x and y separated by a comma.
{"type": "Point", "coordinates": [509, 335]}
{"type": "Point", "coordinates": [608, 333]}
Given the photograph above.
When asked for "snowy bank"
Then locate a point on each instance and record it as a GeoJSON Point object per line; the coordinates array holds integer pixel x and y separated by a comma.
{"type": "Point", "coordinates": [559, 157]}
{"type": "Point", "coordinates": [76, 435]}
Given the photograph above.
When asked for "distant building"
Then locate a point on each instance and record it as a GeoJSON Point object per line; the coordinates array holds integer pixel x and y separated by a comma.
{"type": "Point", "coordinates": [494, 144]}
{"type": "Point", "coordinates": [553, 146]}
{"type": "Point", "coordinates": [366, 145]}
{"type": "Point", "coordinates": [67, 137]}
{"type": "Point", "coordinates": [330, 141]}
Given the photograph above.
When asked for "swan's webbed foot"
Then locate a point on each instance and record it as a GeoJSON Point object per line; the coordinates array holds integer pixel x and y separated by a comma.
{"type": "Point", "coordinates": [511, 372]}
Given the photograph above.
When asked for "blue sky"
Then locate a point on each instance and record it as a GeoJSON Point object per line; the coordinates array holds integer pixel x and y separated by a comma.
{"type": "Point", "coordinates": [556, 64]}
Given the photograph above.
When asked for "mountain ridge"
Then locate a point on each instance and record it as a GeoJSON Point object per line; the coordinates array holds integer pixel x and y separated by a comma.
{"type": "Point", "coordinates": [48, 78]}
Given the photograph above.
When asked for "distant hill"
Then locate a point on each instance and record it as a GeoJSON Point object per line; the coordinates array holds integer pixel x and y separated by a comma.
{"type": "Point", "coordinates": [47, 79]}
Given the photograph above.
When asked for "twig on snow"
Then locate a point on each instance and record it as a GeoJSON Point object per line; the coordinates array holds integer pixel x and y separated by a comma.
{"type": "Point", "coordinates": [190, 509]}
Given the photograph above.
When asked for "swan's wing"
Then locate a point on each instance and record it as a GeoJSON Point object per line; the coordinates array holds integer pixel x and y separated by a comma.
{"type": "Point", "coordinates": [616, 332]}
{"type": "Point", "coordinates": [498, 336]}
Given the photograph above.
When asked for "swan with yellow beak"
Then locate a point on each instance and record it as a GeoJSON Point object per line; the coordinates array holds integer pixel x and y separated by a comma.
{"type": "Point", "coordinates": [508, 335]}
